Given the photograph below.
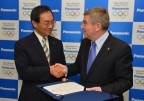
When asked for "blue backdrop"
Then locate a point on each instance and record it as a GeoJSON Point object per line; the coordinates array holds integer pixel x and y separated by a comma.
{"type": "Point", "coordinates": [127, 23]}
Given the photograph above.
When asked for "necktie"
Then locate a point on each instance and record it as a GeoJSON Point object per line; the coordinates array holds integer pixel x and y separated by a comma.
{"type": "Point", "coordinates": [92, 55]}
{"type": "Point", "coordinates": [45, 48]}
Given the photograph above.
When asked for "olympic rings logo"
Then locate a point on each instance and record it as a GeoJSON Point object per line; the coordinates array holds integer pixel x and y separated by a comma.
{"type": "Point", "coordinates": [8, 33]}
{"type": "Point", "coordinates": [140, 37]}
{"type": "Point", "coordinates": [72, 14]}
{"type": "Point", "coordinates": [70, 56]}
{"type": "Point", "coordinates": [26, 13]}
{"type": "Point", "coordinates": [8, 72]}
{"type": "Point", "coordinates": [139, 82]}
{"type": "Point", "coordinates": [120, 14]}
{"type": "Point", "coordinates": [54, 34]}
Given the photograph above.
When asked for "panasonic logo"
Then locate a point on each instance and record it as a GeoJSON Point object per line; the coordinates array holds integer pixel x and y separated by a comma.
{"type": "Point", "coordinates": [138, 31]}
{"type": "Point", "coordinates": [72, 8]}
{"type": "Point", "coordinates": [26, 8]}
{"type": "Point", "coordinates": [3, 28]}
{"type": "Point", "coordinates": [71, 32]}
{"type": "Point", "coordinates": [10, 89]}
{"type": "Point", "coordinates": [138, 56]}
{"type": "Point", "coordinates": [55, 10]}
{"type": "Point", "coordinates": [22, 30]}
{"type": "Point", "coordinates": [133, 99]}
{"type": "Point", "coordinates": [54, 29]}
{"type": "Point", "coordinates": [114, 8]}
{"type": "Point", "coordinates": [7, 67]}
{"type": "Point", "coordinates": [136, 76]}
{"type": "Point", "coordinates": [140, 10]}
{"type": "Point", "coordinates": [7, 50]}
{"type": "Point", "coordinates": [120, 33]}
{"type": "Point", "coordinates": [8, 10]}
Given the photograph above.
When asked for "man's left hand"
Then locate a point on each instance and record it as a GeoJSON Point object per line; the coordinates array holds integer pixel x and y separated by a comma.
{"type": "Point", "coordinates": [94, 89]}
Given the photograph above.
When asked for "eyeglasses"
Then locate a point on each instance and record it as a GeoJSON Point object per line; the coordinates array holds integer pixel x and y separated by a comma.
{"type": "Point", "coordinates": [48, 23]}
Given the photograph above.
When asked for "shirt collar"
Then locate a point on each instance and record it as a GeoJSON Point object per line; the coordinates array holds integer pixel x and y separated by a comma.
{"type": "Point", "coordinates": [100, 41]}
{"type": "Point", "coordinates": [39, 36]}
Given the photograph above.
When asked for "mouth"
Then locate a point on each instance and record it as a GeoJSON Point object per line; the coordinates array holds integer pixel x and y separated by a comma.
{"type": "Point", "coordinates": [49, 30]}
{"type": "Point", "coordinates": [84, 32]}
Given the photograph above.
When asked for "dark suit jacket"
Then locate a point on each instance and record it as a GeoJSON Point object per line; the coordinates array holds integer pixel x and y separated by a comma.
{"type": "Point", "coordinates": [111, 69]}
{"type": "Point", "coordinates": [32, 65]}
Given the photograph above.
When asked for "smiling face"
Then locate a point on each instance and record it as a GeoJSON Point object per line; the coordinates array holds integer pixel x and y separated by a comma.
{"type": "Point", "coordinates": [90, 30]}
{"type": "Point", "coordinates": [95, 23]}
{"type": "Point", "coordinates": [45, 25]}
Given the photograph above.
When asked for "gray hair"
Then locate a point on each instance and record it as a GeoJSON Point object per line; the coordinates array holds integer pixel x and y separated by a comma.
{"type": "Point", "coordinates": [99, 15]}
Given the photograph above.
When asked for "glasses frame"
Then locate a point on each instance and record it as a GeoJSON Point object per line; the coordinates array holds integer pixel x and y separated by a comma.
{"type": "Point", "coordinates": [48, 23]}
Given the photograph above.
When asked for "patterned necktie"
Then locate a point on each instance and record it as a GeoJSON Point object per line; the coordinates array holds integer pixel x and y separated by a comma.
{"type": "Point", "coordinates": [45, 48]}
{"type": "Point", "coordinates": [92, 55]}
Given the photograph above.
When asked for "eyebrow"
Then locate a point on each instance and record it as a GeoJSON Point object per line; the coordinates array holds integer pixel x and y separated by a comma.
{"type": "Point", "coordinates": [84, 21]}
{"type": "Point", "coordinates": [49, 21]}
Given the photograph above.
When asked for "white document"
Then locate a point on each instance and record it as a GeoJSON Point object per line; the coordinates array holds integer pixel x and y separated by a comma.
{"type": "Point", "coordinates": [64, 88]}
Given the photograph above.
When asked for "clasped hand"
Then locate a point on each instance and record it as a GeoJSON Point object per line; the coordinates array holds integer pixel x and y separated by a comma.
{"type": "Point", "coordinates": [58, 70]}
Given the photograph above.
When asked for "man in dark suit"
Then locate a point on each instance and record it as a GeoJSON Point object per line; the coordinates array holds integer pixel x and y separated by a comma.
{"type": "Point", "coordinates": [111, 59]}
{"type": "Point", "coordinates": [36, 54]}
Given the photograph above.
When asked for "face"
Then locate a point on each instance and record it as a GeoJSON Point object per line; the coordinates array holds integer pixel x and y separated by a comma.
{"type": "Point", "coordinates": [89, 30]}
{"type": "Point", "coordinates": [46, 24]}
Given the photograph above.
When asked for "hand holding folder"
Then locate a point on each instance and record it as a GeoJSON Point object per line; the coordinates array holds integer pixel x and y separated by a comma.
{"type": "Point", "coordinates": [72, 91]}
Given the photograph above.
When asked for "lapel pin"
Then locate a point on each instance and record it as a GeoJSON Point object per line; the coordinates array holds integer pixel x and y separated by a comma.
{"type": "Point", "coordinates": [108, 48]}
{"type": "Point", "coordinates": [53, 42]}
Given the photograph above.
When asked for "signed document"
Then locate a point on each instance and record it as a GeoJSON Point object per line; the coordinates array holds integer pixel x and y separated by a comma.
{"type": "Point", "coordinates": [64, 88]}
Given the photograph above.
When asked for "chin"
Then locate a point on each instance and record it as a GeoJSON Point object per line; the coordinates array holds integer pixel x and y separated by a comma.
{"type": "Point", "coordinates": [85, 36]}
{"type": "Point", "coordinates": [47, 34]}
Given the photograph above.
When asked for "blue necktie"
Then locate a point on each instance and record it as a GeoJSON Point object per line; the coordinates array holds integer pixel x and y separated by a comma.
{"type": "Point", "coordinates": [92, 55]}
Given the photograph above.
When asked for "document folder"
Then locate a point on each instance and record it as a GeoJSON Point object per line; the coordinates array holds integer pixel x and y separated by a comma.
{"type": "Point", "coordinates": [78, 96]}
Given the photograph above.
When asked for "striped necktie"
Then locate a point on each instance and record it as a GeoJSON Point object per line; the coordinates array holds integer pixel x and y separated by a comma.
{"type": "Point", "coordinates": [45, 48]}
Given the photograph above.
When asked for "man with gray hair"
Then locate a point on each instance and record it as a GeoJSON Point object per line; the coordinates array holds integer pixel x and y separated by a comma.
{"type": "Point", "coordinates": [103, 62]}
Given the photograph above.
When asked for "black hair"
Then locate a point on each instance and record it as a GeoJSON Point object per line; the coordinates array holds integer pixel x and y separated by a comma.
{"type": "Point", "coordinates": [37, 11]}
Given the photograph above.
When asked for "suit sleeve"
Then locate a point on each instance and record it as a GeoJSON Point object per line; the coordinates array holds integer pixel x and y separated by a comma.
{"type": "Point", "coordinates": [123, 73]}
{"type": "Point", "coordinates": [24, 69]}
{"type": "Point", "coordinates": [74, 68]}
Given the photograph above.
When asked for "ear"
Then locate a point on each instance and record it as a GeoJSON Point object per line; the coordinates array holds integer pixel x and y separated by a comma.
{"type": "Point", "coordinates": [98, 26]}
{"type": "Point", "coordinates": [34, 23]}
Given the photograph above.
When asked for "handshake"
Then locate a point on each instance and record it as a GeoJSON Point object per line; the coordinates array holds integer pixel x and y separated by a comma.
{"type": "Point", "coordinates": [58, 70]}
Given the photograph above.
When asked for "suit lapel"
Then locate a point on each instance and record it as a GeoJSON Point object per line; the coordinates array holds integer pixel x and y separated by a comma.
{"type": "Point", "coordinates": [52, 47]}
{"type": "Point", "coordinates": [104, 51]}
{"type": "Point", "coordinates": [86, 52]}
{"type": "Point", "coordinates": [36, 44]}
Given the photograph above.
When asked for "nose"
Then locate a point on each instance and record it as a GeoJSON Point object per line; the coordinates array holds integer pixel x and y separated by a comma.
{"type": "Point", "coordinates": [81, 26]}
{"type": "Point", "coordinates": [51, 26]}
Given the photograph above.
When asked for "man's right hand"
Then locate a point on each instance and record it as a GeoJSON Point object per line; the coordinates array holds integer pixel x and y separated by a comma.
{"type": "Point", "coordinates": [58, 70]}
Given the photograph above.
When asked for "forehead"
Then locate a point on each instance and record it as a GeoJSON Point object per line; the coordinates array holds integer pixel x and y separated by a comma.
{"type": "Point", "coordinates": [86, 18]}
{"type": "Point", "coordinates": [46, 16]}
